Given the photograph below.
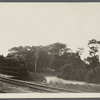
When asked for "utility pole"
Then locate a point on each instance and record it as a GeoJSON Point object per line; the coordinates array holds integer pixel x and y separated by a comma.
{"type": "Point", "coordinates": [37, 51]}
{"type": "Point", "coordinates": [36, 59]}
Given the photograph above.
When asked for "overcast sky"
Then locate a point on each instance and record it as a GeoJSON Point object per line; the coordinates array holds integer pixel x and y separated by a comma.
{"type": "Point", "coordinates": [44, 23]}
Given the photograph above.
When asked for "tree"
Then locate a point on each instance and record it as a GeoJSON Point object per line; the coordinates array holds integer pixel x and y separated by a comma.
{"type": "Point", "coordinates": [94, 46]}
{"type": "Point", "coordinates": [93, 52]}
{"type": "Point", "coordinates": [31, 56]}
{"type": "Point", "coordinates": [93, 62]}
{"type": "Point", "coordinates": [24, 55]}
{"type": "Point", "coordinates": [41, 57]}
{"type": "Point", "coordinates": [74, 68]}
{"type": "Point", "coordinates": [80, 51]}
{"type": "Point", "coordinates": [58, 49]}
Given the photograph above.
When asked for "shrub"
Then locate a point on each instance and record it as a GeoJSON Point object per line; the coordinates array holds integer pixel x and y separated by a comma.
{"type": "Point", "coordinates": [71, 72]}
{"type": "Point", "coordinates": [39, 77]}
{"type": "Point", "coordinates": [93, 75]}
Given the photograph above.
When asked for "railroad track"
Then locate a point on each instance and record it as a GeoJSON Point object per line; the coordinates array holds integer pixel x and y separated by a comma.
{"type": "Point", "coordinates": [37, 86]}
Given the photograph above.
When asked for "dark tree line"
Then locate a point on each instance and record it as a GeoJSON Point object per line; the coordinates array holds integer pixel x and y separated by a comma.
{"type": "Point", "coordinates": [56, 59]}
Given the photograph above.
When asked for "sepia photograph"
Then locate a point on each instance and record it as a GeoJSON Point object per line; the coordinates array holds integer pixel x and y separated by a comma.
{"type": "Point", "coordinates": [49, 48]}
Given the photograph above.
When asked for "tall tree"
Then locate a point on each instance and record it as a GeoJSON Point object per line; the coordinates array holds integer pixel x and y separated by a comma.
{"type": "Point", "coordinates": [35, 58]}
{"type": "Point", "coordinates": [93, 52]}
{"type": "Point", "coordinates": [56, 50]}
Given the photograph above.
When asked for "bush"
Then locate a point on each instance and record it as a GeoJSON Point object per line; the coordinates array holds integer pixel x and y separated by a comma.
{"type": "Point", "coordinates": [39, 77]}
{"type": "Point", "coordinates": [71, 72]}
{"type": "Point", "coordinates": [93, 75]}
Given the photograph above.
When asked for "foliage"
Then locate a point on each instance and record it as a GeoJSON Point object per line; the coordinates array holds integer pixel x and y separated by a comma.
{"type": "Point", "coordinates": [94, 58]}
{"type": "Point", "coordinates": [93, 74]}
{"type": "Point", "coordinates": [57, 59]}
{"type": "Point", "coordinates": [73, 69]}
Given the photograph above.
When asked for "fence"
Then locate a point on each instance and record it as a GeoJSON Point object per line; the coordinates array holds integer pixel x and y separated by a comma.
{"type": "Point", "coordinates": [18, 72]}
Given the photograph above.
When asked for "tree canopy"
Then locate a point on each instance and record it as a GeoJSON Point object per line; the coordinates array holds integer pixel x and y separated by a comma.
{"type": "Point", "coordinates": [58, 58]}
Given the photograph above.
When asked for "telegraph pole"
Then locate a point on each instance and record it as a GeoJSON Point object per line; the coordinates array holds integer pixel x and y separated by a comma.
{"type": "Point", "coordinates": [37, 50]}
{"type": "Point", "coordinates": [36, 59]}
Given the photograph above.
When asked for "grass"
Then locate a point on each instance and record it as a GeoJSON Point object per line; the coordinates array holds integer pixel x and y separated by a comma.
{"type": "Point", "coordinates": [10, 88]}
{"type": "Point", "coordinates": [73, 85]}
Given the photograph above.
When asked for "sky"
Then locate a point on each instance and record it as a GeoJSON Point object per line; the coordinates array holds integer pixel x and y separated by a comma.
{"type": "Point", "coordinates": [30, 24]}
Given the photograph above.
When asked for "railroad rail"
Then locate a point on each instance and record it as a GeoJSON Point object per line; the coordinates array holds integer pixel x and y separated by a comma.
{"type": "Point", "coordinates": [37, 86]}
